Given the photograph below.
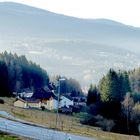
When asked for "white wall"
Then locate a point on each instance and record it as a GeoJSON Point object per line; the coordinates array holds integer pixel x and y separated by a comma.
{"type": "Point", "coordinates": [51, 104]}
{"type": "Point", "coordinates": [55, 104]}
{"type": "Point", "coordinates": [65, 102]}
{"type": "Point", "coordinates": [20, 103]}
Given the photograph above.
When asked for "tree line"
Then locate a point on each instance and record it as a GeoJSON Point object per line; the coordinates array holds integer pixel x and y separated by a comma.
{"type": "Point", "coordinates": [68, 86]}
{"type": "Point", "coordinates": [17, 73]}
{"type": "Point", "coordinates": [114, 103]}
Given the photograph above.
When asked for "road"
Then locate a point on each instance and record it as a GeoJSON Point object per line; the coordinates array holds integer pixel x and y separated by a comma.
{"type": "Point", "coordinates": [35, 132]}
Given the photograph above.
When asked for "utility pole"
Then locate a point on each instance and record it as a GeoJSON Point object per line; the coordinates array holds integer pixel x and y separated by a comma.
{"type": "Point", "coordinates": [58, 100]}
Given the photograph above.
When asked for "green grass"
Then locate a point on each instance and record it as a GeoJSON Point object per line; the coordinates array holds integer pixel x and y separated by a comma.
{"type": "Point", "coordinates": [4, 136]}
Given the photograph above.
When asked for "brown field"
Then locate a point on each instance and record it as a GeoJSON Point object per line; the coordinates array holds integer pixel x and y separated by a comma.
{"type": "Point", "coordinates": [66, 123]}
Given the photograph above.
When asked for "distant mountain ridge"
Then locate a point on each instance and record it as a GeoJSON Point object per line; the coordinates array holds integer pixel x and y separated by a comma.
{"type": "Point", "coordinates": [80, 48]}
{"type": "Point", "coordinates": [33, 22]}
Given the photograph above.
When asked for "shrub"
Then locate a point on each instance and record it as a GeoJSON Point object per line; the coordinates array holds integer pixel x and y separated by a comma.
{"type": "Point", "coordinates": [100, 121]}
{"type": "Point", "coordinates": [105, 124]}
{"type": "Point", "coordinates": [93, 109]}
{"type": "Point", "coordinates": [1, 101]}
{"type": "Point", "coordinates": [43, 108]}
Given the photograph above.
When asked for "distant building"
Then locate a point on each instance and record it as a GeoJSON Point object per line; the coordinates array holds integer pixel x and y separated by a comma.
{"type": "Point", "coordinates": [45, 98]}
{"type": "Point", "coordinates": [26, 93]}
{"type": "Point", "coordinates": [40, 98]}
{"type": "Point", "coordinates": [66, 101]}
{"type": "Point", "coordinates": [50, 104]}
{"type": "Point", "coordinates": [20, 103]}
{"type": "Point", "coordinates": [79, 101]}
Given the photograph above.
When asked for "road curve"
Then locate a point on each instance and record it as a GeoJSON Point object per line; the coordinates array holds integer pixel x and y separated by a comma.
{"type": "Point", "coordinates": [35, 132]}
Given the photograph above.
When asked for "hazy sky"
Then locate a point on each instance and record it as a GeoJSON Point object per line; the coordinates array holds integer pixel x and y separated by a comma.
{"type": "Point", "coordinates": [125, 11]}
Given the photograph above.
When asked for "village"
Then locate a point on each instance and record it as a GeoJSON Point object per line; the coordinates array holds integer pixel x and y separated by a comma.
{"type": "Point", "coordinates": [47, 99]}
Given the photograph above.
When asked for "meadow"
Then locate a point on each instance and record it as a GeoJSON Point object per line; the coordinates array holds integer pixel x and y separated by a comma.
{"type": "Point", "coordinates": [66, 123]}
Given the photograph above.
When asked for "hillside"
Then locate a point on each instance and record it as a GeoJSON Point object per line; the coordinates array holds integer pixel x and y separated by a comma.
{"type": "Point", "coordinates": [80, 48]}
{"type": "Point", "coordinates": [18, 74]}
{"type": "Point", "coordinates": [70, 124]}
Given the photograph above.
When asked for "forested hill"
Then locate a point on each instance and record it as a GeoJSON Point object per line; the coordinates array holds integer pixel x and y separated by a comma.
{"type": "Point", "coordinates": [17, 73]}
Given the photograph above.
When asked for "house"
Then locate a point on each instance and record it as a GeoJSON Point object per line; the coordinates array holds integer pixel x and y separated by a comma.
{"type": "Point", "coordinates": [33, 103]}
{"type": "Point", "coordinates": [51, 104]}
{"type": "Point", "coordinates": [47, 98]}
{"type": "Point", "coordinates": [27, 103]}
{"type": "Point", "coordinates": [40, 98]}
{"type": "Point", "coordinates": [44, 98]}
{"type": "Point", "coordinates": [79, 101]}
{"type": "Point", "coordinates": [66, 101]}
{"type": "Point", "coordinates": [20, 103]}
{"type": "Point", "coordinates": [25, 93]}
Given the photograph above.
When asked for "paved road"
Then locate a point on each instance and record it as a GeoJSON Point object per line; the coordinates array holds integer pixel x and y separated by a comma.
{"type": "Point", "coordinates": [35, 132]}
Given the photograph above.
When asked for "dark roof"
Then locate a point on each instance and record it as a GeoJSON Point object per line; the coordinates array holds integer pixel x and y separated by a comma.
{"type": "Point", "coordinates": [29, 100]}
{"type": "Point", "coordinates": [27, 90]}
{"type": "Point", "coordinates": [79, 99]}
{"type": "Point", "coordinates": [55, 97]}
{"type": "Point", "coordinates": [32, 100]}
{"type": "Point", "coordinates": [67, 96]}
{"type": "Point", "coordinates": [21, 100]}
{"type": "Point", "coordinates": [42, 94]}
{"type": "Point", "coordinates": [51, 86]}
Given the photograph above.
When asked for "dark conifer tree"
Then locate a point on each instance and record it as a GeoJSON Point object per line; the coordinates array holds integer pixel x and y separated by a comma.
{"type": "Point", "coordinates": [109, 87]}
{"type": "Point", "coordinates": [16, 73]}
{"type": "Point", "coordinates": [4, 90]}
{"type": "Point", "coordinates": [93, 95]}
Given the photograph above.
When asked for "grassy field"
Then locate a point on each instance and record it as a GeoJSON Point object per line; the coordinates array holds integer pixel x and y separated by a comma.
{"type": "Point", "coordinates": [6, 136]}
{"type": "Point", "coordinates": [70, 124]}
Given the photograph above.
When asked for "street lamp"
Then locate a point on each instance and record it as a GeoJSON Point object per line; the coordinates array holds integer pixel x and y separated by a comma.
{"type": "Point", "coordinates": [58, 99]}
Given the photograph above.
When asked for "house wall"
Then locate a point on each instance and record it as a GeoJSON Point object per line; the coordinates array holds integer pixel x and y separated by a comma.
{"type": "Point", "coordinates": [50, 104]}
{"type": "Point", "coordinates": [34, 105]}
{"type": "Point", "coordinates": [54, 104]}
{"type": "Point", "coordinates": [65, 102]}
{"type": "Point", "coordinates": [45, 104]}
{"type": "Point", "coordinates": [20, 103]}
{"type": "Point", "coordinates": [80, 103]}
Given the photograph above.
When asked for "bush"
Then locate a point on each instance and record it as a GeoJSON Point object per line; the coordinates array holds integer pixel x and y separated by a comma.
{"type": "Point", "coordinates": [93, 109]}
{"type": "Point", "coordinates": [105, 124]}
{"type": "Point", "coordinates": [100, 121]}
{"type": "Point", "coordinates": [1, 101]}
{"type": "Point", "coordinates": [42, 108]}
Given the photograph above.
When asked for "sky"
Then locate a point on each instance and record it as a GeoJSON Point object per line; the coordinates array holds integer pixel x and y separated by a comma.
{"type": "Point", "coordinates": [124, 11]}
